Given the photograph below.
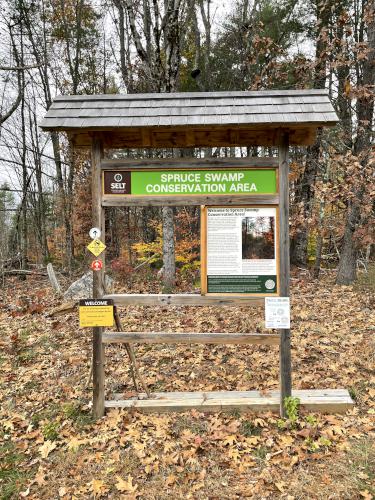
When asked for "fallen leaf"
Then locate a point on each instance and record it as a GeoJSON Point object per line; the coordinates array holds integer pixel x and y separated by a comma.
{"type": "Point", "coordinates": [366, 495]}
{"type": "Point", "coordinates": [230, 440]}
{"type": "Point", "coordinates": [46, 448]}
{"type": "Point", "coordinates": [25, 493]}
{"type": "Point", "coordinates": [171, 479]}
{"type": "Point", "coordinates": [40, 477]}
{"type": "Point", "coordinates": [74, 444]}
{"type": "Point", "coordinates": [62, 491]}
{"type": "Point", "coordinates": [280, 486]}
{"type": "Point", "coordinates": [126, 486]}
{"type": "Point", "coordinates": [98, 487]}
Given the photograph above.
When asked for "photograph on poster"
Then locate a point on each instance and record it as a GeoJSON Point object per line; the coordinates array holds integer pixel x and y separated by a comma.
{"type": "Point", "coordinates": [258, 237]}
{"type": "Point", "coordinates": [241, 250]}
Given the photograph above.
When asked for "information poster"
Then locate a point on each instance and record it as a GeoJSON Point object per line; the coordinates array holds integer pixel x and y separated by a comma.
{"type": "Point", "coordinates": [241, 250]}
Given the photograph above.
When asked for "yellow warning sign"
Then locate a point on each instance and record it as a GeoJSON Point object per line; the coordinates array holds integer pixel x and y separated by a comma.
{"type": "Point", "coordinates": [95, 312]}
{"type": "Point", "coordinates": [96, 247]}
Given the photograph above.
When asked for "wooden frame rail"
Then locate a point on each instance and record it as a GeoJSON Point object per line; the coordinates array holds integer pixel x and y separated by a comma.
{"type": "Point", "coordinates": [189, 338]}
{"type": "Point", "coordinates": [313, 400]}
{"type": "Point", "coordinates": [199, 163]}
{"type": "Point", "coordinates": [180, 299]}
{"type": "Point", "coordinates": [173, 201]}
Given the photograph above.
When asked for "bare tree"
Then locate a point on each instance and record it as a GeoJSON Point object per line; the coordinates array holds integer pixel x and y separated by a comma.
{"type": "Point", "coordinates": [12, 24]}
{"type": "Point", "coordinates": [157, 30]}
{"type": "Point", "coordinates": [304, 196]}
{"type": "Point", "coordinates": [347, 270]}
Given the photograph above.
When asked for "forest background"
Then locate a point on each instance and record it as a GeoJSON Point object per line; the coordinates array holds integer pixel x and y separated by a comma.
{"type": "Point", "coordinates": [81, 47]}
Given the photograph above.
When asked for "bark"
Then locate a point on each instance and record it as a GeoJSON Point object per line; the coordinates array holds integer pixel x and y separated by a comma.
{"type": "Point", "coordinates": [39, 48]}
{"type": "Point", "coordinates": [206, 18]}
{"type": "Point", "coordinates": [25, 184]}
{"type": "Point", "coordinates": [304, 196]}
{"type": "Point", "coordinates": [318, 256]}
{"type": "Point", "coordinates": [158, 46]}
{"type": "Point", "coordinates": [304, 201]}
{"type": "Point", "coordinates": [347, 270]}
{"type": "Point", "coordinates": [40, 205]}
{"type": "Point", "coordinates": [20, 68]}
{"type": "Point", "coordinates": [197, 37]}
{"type": "Point", "coordinates": [124, 49]}
{"type": "Point", "coordinates": [68, 213]}
{"type": "Point", "coordinates": [169, 271]}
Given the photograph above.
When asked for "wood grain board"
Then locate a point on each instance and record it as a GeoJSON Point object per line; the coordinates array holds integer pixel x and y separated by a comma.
{"type": "Point", "coordinates": [97, 291]}
{"type": "Point", "coordinates": [178, 299]}
{"type": "Point", "coordinates": [191, 163]}
{"type": "Point", "coordinates": [284, 269]}
{"type": "Point", "coordinates": [314, 400]}
{"type": "Point", "coordinates": [184, 200]}
{"type": "Point", "coordinates": [189, 338]}
{"type": "Point", "coordinates": [185, 137]}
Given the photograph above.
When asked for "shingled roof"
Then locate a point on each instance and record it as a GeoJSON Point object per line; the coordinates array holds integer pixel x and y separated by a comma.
{"type": "Point", "coordinates": [246, 110]}
{"type": "Point", "coordinates": [194, 109]}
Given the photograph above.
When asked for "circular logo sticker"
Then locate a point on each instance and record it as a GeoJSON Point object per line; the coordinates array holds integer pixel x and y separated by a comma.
{"type": "Point", "coordinates": [96, 265]}
{"type": "Point", "coordinates": [270, 284]}
{"type": "Point", "coordinates": [95, 233]}
{"type": "Point", "coordinates": [118, 177]}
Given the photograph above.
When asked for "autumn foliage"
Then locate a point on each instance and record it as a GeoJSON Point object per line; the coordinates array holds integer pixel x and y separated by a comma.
{"type": "Point", "coordinates": [51, 447]}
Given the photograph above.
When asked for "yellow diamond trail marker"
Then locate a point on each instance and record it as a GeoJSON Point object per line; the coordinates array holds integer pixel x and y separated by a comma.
{"type": "Point", "coordinates": [96, 247]}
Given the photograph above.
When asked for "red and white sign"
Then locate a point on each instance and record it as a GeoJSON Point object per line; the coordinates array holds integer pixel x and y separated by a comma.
{"type": "Point", "coordinates": [96, 265]}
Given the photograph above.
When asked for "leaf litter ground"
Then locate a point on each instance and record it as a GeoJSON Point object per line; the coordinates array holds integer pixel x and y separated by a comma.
{"type": "Point", "coordinates": [51, 448]}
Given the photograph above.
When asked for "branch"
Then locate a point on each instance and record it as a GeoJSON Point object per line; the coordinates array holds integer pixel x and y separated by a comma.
{"type": "Point", "coordinates": [19, 68]}
{"type": "Point", "coordinates": [137, 39]}
{"type": "Point", "coordinates": [20, 83]}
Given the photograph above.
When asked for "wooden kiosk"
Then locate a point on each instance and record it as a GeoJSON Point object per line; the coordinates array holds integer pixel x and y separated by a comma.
{"type": "Point", "coordinates": [276, 119]}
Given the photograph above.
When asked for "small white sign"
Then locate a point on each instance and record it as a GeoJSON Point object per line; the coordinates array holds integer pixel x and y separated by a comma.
{"type": "Point", "coordinates": [95, 233]}
{"type": "Point", "coordinates": [277, 312]}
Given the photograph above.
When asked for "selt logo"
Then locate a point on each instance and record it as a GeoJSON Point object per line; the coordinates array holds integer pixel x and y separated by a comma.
{"type": "Point", "coordinates": [117, 182]}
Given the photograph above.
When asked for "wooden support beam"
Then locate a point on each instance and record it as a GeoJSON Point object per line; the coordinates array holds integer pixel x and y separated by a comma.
{"type": "Point", "coordinates": [319, 400]}
{"type": "Point", "coordinates": [97, 221]}
{"type": "Point", "coordinates": [190, 138]}
{"type": "Point", "coordinates": [285, 354]}
{"type": "Point", "coordinates": [189, 338]}
{"type": "Point", "coordinates": [178, 299]}
{"type": "Point", "coordinates": [174, 201]}
{"type": "Point", "coordinates": [146, 137]}
{"type": "Point", "coordinates": [217, 136]}
{"type": "Point", "coordinates": [199, 163]}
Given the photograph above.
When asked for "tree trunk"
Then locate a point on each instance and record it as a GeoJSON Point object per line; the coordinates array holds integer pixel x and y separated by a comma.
{"type": "Point", "coordinates": [168, 249]}
{"type": "Point", "coordinates": [25, 183]}
{"type": "Point", "coordinates": [347, 270]}
{"type": "Point", "coordinates": [68, 213]}
{"type": "Point", "coordinates": [304, 201]}
{"type": "Point", "coordinates": [305, 190]}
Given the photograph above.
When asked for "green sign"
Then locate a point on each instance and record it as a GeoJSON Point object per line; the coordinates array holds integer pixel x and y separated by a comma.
{"type": "Point", "coordinates": [242, 284]}
{"type": "Point", "coordinates": [191, 182]}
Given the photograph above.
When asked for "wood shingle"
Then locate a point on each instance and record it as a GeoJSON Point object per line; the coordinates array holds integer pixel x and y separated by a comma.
{"type": "Point", "coordinates": [250, 111]}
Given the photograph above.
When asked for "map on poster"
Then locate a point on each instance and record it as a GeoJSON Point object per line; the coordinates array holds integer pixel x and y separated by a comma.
{"type": "Point", "coordinates": [242, 250]}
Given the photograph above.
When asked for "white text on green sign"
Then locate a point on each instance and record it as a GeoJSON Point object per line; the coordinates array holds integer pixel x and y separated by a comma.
{"type": "Point", "coordinates": [191, 182]}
